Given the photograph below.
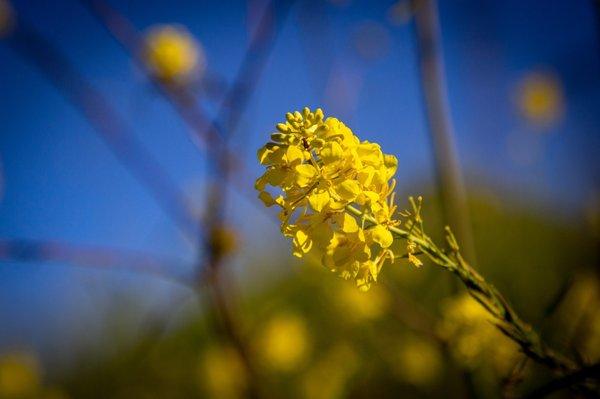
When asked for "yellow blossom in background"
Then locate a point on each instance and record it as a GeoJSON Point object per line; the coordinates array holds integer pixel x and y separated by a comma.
{"type": "Point", "coordinates": [580, 314]}
{"type": "Point", "coordinates": [318, 167]}
{"type": "Point", "coordinates": [417, 361]}
{"type": "Point", "coordinates": [473, 339]}
{"type": "Point", "coordinates": [360, 306]}
{"type": "Point", "coordinates": [284, 343]}
{"type": "Point", "coordinates": [173, 55]}
{"type": "Point", "coordinates": [540, 98]}
{"type": "Point", "coordinates": [328, 377]}
{"type": "Point", "coordinates": [222, 373]}
{"type": "Point", "coordinates": [223, 241]}
{"type": "Point", "coordinates": [19, 376]}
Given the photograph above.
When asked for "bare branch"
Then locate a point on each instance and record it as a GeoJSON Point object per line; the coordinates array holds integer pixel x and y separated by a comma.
{"type": "Point", "coordinates": [19, 250]}
{"type": "Point", "coordinates": [107, 123]}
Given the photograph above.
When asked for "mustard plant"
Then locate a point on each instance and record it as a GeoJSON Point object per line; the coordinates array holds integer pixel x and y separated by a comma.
{"type": "Point", "coordinates": [336, 199]}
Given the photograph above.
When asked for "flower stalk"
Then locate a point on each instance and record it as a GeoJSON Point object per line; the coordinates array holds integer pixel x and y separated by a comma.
{"type": "Point", "coordinates": [505, 317]}
{"type": "Point", "coordinates": [336, 199]}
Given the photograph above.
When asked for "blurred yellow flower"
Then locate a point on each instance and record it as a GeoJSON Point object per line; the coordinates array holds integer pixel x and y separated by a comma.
{"type": "Point", "coordinates": [19, 376]}
{"type": "Point", "coordinates": [284, 343]}
{"type": "Point", "coordinates": [173, 55]}
{"type": "Point", "coordinates": [418, 361]}
{"type": "Point", "coordinates": [320, 167]}
{"type": "Point", "coordinates": [580, 314]}
{"type": "Point", "coordinates": [329, 376]}
{"type": "Point", "coordinates": [540, 98]}
{"type": "Point", "coordinates": [223, 240]}
{"type": "Point", "coordinates": [222, 373]}
{"type": "Point", "coordinates": [473, 339]}
{"type": "Point", "coordinates": [360, 306]}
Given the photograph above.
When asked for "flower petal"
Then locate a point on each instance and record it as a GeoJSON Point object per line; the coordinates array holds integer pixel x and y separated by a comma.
{"type": "Point", "coordinates": [304, 174]}
{"type": "Point", "coordinates": [318, 200]}
{"type": "Point", "coordinates": [331, 152]}
{"type": "Point", "coordinates": [348, 190]}
{"type": "Point", "coordinates": [382, 236]}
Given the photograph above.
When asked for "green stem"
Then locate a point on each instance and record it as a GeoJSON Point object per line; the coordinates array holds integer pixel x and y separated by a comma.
{"type": "Point", "coordinates": [486, 294]}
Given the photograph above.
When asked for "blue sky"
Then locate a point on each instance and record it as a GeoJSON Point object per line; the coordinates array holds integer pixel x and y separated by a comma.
{"type": "Point", "coordinates": [62, 183]}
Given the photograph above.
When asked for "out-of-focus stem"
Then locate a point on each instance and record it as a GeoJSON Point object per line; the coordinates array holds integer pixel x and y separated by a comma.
{"type": "Point", "coordinates": [486, 294]}
{"type": "Point", "coordinates": [94, 257]}
{"type": "Point", "coordinates": [106, 122]}
{"type": "Point", "coordinates": [450, 181]}
{"type": "Point", "coordinates": [567, 381]}
{"type": "Point", "coordinates": [218, 294]}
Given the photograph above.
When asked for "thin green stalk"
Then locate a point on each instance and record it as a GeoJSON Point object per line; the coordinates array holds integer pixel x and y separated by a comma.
{"type": "Point", "coordinates": [506, 319]}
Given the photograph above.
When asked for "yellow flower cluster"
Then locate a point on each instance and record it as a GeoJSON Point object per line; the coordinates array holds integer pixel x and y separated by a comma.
{"type": "Point", "coordinates": [172, 54]}
{"type": "Point", "coordinates": [320, 167]}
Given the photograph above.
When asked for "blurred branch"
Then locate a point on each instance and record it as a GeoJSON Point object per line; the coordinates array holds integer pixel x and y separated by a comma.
{"type": "Point", "coordinates": [569, 381]}
{"type": "Point", "coordinates": [433, 83]}
{"type": "Point", "coordinates": [505, 317]}
{"type": "Point", "coordinates": [510, 383]}
{"type": "Point", "coordinates": [132, 41]}
{"type": "Point", "coordinates": [18, 250]}
{"type": "Point", "coordinates": [253, 64]}
{"type": "Point", "coordinates": [182, 99]}
{"type": "Point", "coordinates": [229, 116]}
{"type": "Point", "coordinates": [105, 121]}
{"type": "Point", "coordinates": [234, 103]}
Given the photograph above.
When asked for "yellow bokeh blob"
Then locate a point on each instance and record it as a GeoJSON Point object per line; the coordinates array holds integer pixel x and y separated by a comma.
{"type": "Point", "coordinates": [284, 343]}
{"type": "Point", "coordinates": [19, 376]}
{"type": "Point", "coordinates": [540, 98]}
{"type": "Point", "coordinates": [222, 373]}
{"type": "Point", "coordinates": [173, 55]}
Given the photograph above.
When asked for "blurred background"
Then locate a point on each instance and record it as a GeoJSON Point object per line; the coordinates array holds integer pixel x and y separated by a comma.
{"type": "Point", "coordinates": [137, 262]}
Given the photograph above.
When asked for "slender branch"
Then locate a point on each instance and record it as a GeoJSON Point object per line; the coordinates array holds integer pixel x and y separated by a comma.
{"type": "Point", "coordinates": [252, 65]}
{"type": "Point", "coordinates": [19, 250]}
{"type": "Point", "coordinates": [450, 181]}
{"type": "Point", "coordinates": [223, 125]}
{"type": "Point", "coordinates": [486, 294]}
{"type": "Point", "coordinates": [228, 117]}
{"type": "Point", "coordinates": [212, 133]}
{"type": "Point", "coordinates": [568, 381]}
{"type": "Point", "coordinates": [183, 101]}
{"type": "Point", "coordinates": [106, 122]}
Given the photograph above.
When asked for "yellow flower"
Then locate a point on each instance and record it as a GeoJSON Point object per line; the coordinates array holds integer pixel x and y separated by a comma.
{"type": "Point", "coordinates": [223, 241]}
{"type": "Point", "coordinates": [358, 306]}
{"type": "Point", "coordinates": [411, 249]}
{"type": "Point", "coordinates": [19, 376]}
{"type": "Point", "coordinates": [222, 373]}
{"type": "Point", "coordinates": [540, 98]}
{"type": "Point", "coordinates": [417, 361]}
{"type": "Point", "coordinates": [474, 339]}
{"type": "Point", "coordinates": [328, 377]}
{"type": "Point", "coordinates": [284, 343]}
{"type": "Point", "coordinates": [315, 168]}
{"type": "Point", "coordinates": [172, 54]}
